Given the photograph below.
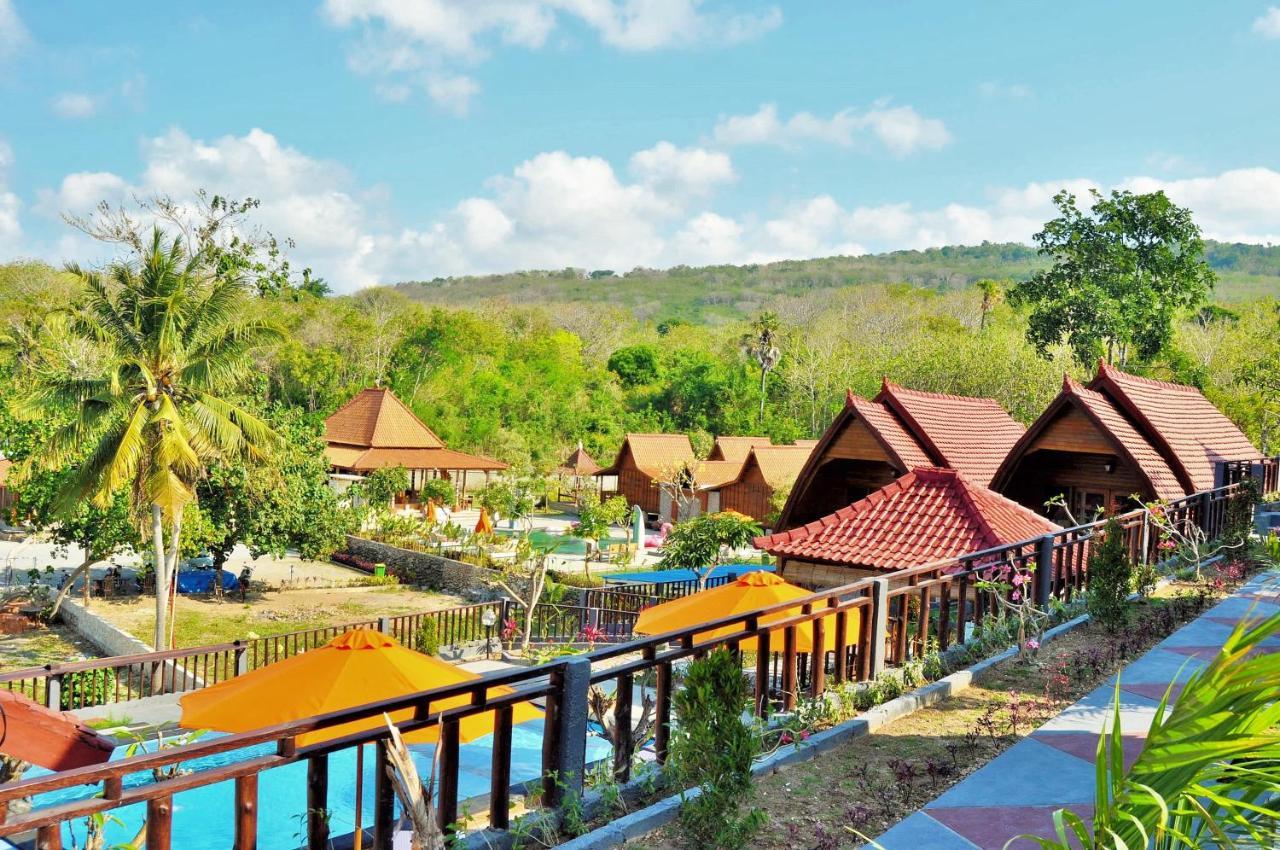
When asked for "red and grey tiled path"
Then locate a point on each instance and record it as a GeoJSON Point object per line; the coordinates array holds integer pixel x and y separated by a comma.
{"type": "Point", "coordinates": [1018, 791]}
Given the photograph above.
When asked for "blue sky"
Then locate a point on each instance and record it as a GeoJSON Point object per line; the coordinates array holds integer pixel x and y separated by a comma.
{"type": "Point", "coordinates": [398, 140]}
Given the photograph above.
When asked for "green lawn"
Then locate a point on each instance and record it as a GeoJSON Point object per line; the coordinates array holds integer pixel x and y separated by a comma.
{"type": "Point", "coordinates": [42, 646]}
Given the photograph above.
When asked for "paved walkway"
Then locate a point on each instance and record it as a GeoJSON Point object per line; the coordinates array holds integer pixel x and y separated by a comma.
{"type": "Point", "coordinates": [1018, 791]}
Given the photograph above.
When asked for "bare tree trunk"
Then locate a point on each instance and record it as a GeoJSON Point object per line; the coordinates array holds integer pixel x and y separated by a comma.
{"type": "Point", "coordinates": [162, 587]}
{"type": "Point", "coordinates": [83, 569]}
{"type": "Point", "coordinates": [171, 568]}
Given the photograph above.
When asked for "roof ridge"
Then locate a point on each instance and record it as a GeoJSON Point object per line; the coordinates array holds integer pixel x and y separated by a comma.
{"type": "Point", "coordinates": [1105, 368]}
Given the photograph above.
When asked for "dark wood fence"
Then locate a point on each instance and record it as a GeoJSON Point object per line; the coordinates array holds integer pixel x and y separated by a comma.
{"type": "Point", "coordinates": [873, 623]}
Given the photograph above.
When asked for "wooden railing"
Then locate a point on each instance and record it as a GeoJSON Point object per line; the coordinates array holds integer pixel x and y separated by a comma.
{"type": "Point", "coordinates": [873, 623]}
{"type": "Point", "coordinates": [1266, 470]}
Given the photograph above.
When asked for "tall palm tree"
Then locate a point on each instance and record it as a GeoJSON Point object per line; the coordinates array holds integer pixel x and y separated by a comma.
{"type": "Point", "coordinates": [151, 416]}
{"type": "Point", "coordinates": [761, 345]}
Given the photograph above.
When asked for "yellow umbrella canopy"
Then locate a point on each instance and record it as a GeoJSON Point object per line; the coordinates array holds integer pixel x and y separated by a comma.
{"type": "Point", "coordinates": [357, 667]}
{"type": "Point", "coordinates": [748, 593]}
{"type": "Point", "coordinates": [484, 525]}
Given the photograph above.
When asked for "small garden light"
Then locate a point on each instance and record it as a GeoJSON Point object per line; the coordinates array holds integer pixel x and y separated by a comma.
{"type": "Point", "coordinates": [489, 618]}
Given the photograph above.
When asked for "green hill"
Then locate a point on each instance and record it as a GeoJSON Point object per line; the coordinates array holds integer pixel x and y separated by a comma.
{"type": "Point", "coordinates": [718, 293]}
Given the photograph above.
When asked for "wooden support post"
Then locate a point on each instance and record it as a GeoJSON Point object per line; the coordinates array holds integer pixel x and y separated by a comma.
{"type": "Point", "coordinates": [818, 659]}
{"type": "Point", "coordinates": [842, 649]}
{"type": "Point", "coordinates": [762, 673]}
{"type": "Point", "coordinates": [384, 819]}
{"type": "Point", "coordinates": [49, 837]}
{"type": "Point", "coordinates": [159, 823]}
{"type": "Point", "coordinates": [1044, 570]}
{"type": "Point", "coordinates": [447, 798]}
{"type": "Point", "coordinates": [789, 668]}
{"type": "Point", "coordinates": [246, 812]}
{"type": "Point", "coordinates": [879, 626]}
{"type": "Point", "coordinates": [623, 751]}
{"type": "Point", "coordinates": [662, 713]}
{"type": "Point", "coordinates": [318, 802]}
{"type": "Point", "coordinates": [500, 770]}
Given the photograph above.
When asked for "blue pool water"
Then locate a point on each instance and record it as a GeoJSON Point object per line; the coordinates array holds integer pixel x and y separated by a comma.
{"type": "Point", "coordinates": [202, 817]}
{"type": "Point", "coordinates": [724, 572]}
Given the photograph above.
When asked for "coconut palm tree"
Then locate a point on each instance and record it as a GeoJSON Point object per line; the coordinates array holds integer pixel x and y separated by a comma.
{"type": "Point", "coordinates": [761, 345]}
{"type": "Point", "coordinates": [150, 414]}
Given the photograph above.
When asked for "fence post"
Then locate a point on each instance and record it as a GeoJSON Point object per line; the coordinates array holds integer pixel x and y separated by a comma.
{"type": "Point", "coordinates": [1219, 474]}
{"type": "Point", "coordinates": [53, 689]}
{"type": "Point", "coordinates": [242, 659]}
{"type": "Point", "coordinates": [1205, 506]}
{"type": "Point", "coordinates": [384, 625]}
{"type": "Point", "coordinates": [571, 727]}
{"type": "Point", "coordinates": [879, 624]}
{"type": "Point", "coordinates": [593, 618]}
{"type": "Point", "coordinates": [1044, 570]}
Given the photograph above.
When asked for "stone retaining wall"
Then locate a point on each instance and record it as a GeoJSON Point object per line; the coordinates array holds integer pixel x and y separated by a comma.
{"type": "Point", "coordinates": [426, 569]}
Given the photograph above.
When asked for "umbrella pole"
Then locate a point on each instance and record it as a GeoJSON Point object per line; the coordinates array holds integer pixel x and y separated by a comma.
{"type": "Point", "coordinates": [359, 836]}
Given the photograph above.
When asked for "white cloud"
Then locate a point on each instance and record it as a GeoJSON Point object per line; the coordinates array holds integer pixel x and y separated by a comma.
{"type": "Point", "coordinates": [74, 105]}
{"type": "Point", "coordinates": [900, 129]}
{"type": "Point", "coordinates": [556, 209]}
{"type": "Point", "coordinates": [10, 206]}
{"type": "Point", "coordinates": [679, 171]}
{"type": "Point", "coordinates": [1267, 24]}
{"type": "Point", "coordinates": [453, 92]}
{"type": "Point", "coordinates": [12, 32]}
{"type": "Point", "coordinates": [434, 36]}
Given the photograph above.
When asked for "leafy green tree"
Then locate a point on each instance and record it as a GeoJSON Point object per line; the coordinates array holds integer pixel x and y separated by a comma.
{"type": "Point", "coordinates": [635, 365]}
{"type": "Point", "coordinates": [701, 543]}
{"type": "Point", "coordinates": [287, 505]}
{"type": "Point", "coordinates": [150, 414]}
{"type": "Point", "coordinates": [1121, 274]}
{"type": "Point", "coordinates": [595, 520]}
{"type": "Point", "coordinates": [381, 486]}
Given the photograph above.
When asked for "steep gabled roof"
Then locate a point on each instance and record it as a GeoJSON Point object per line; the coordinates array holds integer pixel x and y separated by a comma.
{"type": "Point", "coordinates": [779, 465]}
{"type": "Point", "coordinates": [902, 446]}
{"type": "Point", "coordinates": [970, 434]}
{"type": "Point", "coordinates": [655, 455]}
{"type": "Point", "coordinates": [1188, 430]}
{"type": "Point", "coordinates": [579, 462]}
{"type": "Point", "coordinates": [736, 448]}
{"type": "Point", "coordinates": [375, 418]}
{"type": "Point", "coordinates": [928, 515]}
{"type": "Point", "coordinates": [1113, 424]}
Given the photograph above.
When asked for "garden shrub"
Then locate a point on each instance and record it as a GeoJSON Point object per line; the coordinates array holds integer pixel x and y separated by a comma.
{"type": "Point", "coordinates": [428, 637]}
{"type": "Point", "coordinates": [712, 747]}
{"type": "Point", "coordinates": [87, 688]}
{"type": "Point", "coordinates": [1110, 578]}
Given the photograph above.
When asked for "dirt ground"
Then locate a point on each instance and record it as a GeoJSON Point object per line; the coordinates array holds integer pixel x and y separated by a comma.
{"type": "Point", "coordinates": [46, 645]}
{"type": "Point", "coordinates": [204, 620]}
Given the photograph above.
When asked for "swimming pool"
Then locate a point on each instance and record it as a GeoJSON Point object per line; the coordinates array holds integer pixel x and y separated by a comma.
{"type": "Point", "coordinates": [563, 544]}
{"type": "Point", "coordinates": [202, 817]}
{"type": "Point", "coordinates": [723, 573]}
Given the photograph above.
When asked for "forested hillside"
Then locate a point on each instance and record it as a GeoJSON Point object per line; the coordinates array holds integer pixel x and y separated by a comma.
{"type": "Point", "coordinates": [718, 293]}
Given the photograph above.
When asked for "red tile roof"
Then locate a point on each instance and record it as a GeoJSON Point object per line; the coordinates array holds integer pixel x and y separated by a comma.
{"type": "Point", "coordinates": [1138, 448]}
{"type": "Point", "coordinates": [905, 449]}
{"type": "Point", "coordinates": [928, 515]}
{"type": "Point", "coordinates": [972, 435]}
{"type": "Point", "coordinates": [375, 418]}
{"type": "Point", "coordinates": [780, 465]}
{"type": "Point", "coordinates": [736, 448]}
{"type": "Point", "coordinates": [579, 463]}
{"type": "Point", "coordinates": [1180, 420]}
{"type": "Point", "coordinates": [656, 455]}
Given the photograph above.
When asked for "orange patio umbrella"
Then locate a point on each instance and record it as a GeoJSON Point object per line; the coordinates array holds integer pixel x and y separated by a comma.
{"type": "Point", "coordinates": [484, 525]}
{"type": "Point", "coordinates": [748, 593]}
{"type": "Point", "coordinates": [357, 667]}
{"type": "Point", "coordinates": [52, 739]}
{"type": "Point", "coordinates": [430, 512]}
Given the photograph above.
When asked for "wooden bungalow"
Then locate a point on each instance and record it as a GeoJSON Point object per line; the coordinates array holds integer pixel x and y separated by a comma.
{"type": "Point", "coordinates": [872, 443]}
{"type": "Point", "coordinates": [1121, 437]}
{"type": "Point", "coordinates": [767, 469]}
{"type": "Point", "coordinates": [928, 515]}
{"type": "Point", "coordinates": [376, 430]}
{"type": "Point", "coordinates": [642, 462]}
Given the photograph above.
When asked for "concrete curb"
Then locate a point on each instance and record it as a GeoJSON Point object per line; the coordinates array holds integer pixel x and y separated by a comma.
{"type": "Point", "coordinates": [644, 821]}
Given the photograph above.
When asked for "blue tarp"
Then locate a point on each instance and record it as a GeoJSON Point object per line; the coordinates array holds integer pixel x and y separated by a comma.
{"type": "Point", "coordinates": [723, 573]}
{"type": "Point", "coordinates": [201, 581]}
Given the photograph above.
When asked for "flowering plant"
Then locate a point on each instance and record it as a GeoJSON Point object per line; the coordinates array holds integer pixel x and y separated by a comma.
{"type": "Point", "coordinates": [1012, 589]}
